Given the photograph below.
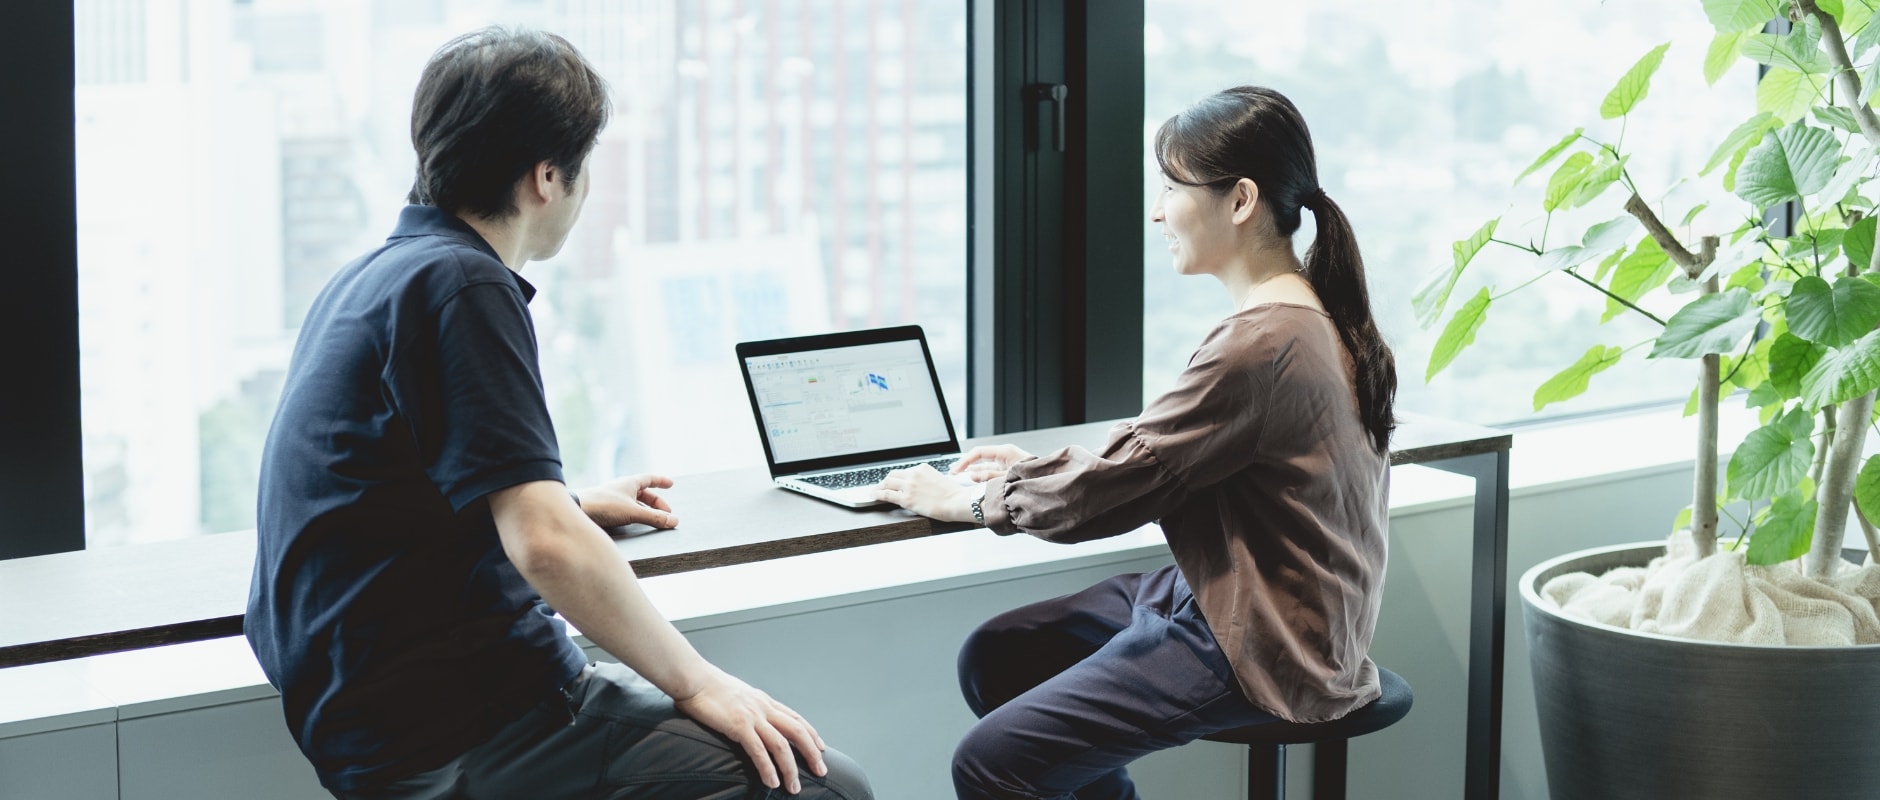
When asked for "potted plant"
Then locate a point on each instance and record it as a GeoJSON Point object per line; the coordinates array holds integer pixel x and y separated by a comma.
{"type": "Point", "coordinates": [1741, 666]}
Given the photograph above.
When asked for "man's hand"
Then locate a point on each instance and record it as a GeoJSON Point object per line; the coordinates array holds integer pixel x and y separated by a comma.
{"type": "Point", "coordinates": [765, 728]}
{"type": "Point", "coordinates": [924, 491]}
{"type": "Point", "coordinates": [624, 501]}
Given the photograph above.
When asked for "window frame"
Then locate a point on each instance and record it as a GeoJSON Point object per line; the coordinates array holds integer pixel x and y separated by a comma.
{"type": "Point", "coordinates": [1054, 279]}
{"type": "Point", "coordinates": [1054, 311]}
{"type": "Point", "coordinates": [42, 478]}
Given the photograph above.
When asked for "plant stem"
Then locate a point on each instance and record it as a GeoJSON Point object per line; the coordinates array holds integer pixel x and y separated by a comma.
{"type": "Point", "coordinates": [1739, 362]}
{"type": "Point", "coordinates": [1637, 207]}
{"type": "Point", "coordinates": [1704, 489]}
{"type": "Point", "coordinates": [1844, 70]}
{"type": "Point", "coordinates": [1866, 529]}
{"type": "Point", "coordinates": [1524, 285]}
{"type": "Point", "coordinates": [1837, 489]}
{"type": "Point", "coordinates": [1527, 248]}
{"type": "Point", "coordinates": [1617, 299]}
{"type": "Point", "coordinates": [1827, 441]}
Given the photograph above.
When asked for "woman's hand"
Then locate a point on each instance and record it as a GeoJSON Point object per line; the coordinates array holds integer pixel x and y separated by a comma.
{"type": "Point", "coordinates": [624, 501]}
{"type": "Point", "coordinates": [924, 491]}
{"type": "Point", "coordinates": [985, 463]}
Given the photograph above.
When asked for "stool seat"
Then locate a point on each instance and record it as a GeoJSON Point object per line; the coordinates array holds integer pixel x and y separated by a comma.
{"type": "Point", "coordinates": [1266, 744]}
{"type": "Point", "coordinates": [1372, 717]}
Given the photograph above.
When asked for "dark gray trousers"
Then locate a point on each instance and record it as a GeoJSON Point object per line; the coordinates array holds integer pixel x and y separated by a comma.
{"type": "Point", "coordinates": [1069, 691]}
{"type": "Point", "coordinates": [625, 741]}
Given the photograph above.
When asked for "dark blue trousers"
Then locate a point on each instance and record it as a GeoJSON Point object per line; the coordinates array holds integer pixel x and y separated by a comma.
{"type": "Point", "coordinates": [1071, 690]}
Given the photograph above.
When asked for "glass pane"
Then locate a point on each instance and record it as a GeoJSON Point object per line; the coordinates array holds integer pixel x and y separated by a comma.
{"type": "Point", "coordinates": [1423, 114]}
{"type": "Point", "coordinates": [772, 169]}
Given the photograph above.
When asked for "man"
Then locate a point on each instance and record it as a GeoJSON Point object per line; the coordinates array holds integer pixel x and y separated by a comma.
{"type": "Point", "coordinates": [413, 520]}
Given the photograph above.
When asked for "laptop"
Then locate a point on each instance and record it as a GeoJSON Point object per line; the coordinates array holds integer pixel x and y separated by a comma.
{"type": "Point", "coordinates": [837, 411]}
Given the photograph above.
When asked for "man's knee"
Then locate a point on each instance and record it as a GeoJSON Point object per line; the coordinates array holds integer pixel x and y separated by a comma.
{"type": "Point", "coordinates": [845, 780]}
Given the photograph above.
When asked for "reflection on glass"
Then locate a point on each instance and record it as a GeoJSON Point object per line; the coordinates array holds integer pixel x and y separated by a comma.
{"type": "Point", "coordinates": [1423, 113]}
{"type": "Point", "coordinates": [772, 169]}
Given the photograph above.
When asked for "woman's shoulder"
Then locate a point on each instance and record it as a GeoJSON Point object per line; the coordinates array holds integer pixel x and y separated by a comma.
{"type": "Point", "coordinates": [1269, 329]}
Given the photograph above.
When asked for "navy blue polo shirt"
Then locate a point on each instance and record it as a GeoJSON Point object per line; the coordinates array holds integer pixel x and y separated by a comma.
{"type": "Point", "coordinates": [383, 606]}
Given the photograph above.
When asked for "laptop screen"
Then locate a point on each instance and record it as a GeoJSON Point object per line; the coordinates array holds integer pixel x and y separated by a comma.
{"type": "Point", "coordinates": [843, 401]}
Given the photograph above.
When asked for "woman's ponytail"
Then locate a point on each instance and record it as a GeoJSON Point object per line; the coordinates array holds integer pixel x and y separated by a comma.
{"type": "Point", "coordinates": [1256, 133]}
{"type": "Point", "coordinates": [1336, 271]}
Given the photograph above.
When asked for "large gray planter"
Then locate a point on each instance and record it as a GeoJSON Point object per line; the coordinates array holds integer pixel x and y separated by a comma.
{"type": "Point", "coordinates": [1636, 715]}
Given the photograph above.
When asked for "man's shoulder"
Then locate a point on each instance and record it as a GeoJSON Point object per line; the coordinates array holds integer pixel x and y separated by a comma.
{"type": "Point", "coordinates": [433, 267]}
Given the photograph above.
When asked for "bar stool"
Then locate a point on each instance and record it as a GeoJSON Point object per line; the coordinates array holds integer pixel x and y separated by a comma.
{"type": "Point", "coordinates": [1266, 744]}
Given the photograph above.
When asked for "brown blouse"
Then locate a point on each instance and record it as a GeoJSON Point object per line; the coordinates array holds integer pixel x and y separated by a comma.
{"type": "Point", "coordinates": [1271, 496]}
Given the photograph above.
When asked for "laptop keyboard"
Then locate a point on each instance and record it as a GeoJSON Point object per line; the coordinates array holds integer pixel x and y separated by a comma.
{"type": "Point", "coordinates": [870, 475]}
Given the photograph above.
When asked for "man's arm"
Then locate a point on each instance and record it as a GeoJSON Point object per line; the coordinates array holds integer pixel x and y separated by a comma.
{"type": "Point", "coordinates": [579, 573]}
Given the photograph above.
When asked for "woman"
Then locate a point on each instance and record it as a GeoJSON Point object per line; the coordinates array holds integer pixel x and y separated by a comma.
{"type": "Point", "coordinates": [1266, 466]}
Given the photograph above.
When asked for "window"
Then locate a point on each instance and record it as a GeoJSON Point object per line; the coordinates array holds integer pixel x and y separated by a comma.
{"type": "Point", "coordinates": [1422, 114]}
{"type": "Point", "coordinates": [772, 169]}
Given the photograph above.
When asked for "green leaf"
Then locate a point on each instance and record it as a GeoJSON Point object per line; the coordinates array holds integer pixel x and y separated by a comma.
{"type": "Point", "coordinates": [1799, 49]}
{"type": "Point", "coordinates": [1434, 295]}
{"type": "Point", "coordinates": [1786, 93]}
{"type": "Point", "coordinates": [1858, 243]}
{"type": "Point", "coordinates": [1566, 179]}
{"type": "Point", "coordinates": [1868, 37]}
{"type": "Point", "coordinates": [1748, 276]}
{"type": "Point", "coordinates": [1606, 264]}
{"type": "Point", "coordinates": [1459, 333]}
{"type": "Point", "coordinates": [1786, 530]}
{"type": "Point", "coordinates": [1741, 139]}
{"type": "Point", "coordinates": [1713, 323]}
{"type": "Point", "coordinates": [1855, 16]}
{"type": "Point", "coordinates": [1867, 490]}
{"type": "Point", "coordinates": [1724, 49]}
{"type": "Point", "coordinates": [1682, 521]}
{"type": "Point", "coordinates": [1563, 144]}
{"type": "Point", "coordinates": [1609, 235]}
{"type": "Point", "coordinates": [1870, 76]}
{"type": "Point", "coordinates": [1833, 315]}
{"type": "Point", "coordinates": [1739, 15]}
{"type": "Point", "coordinates": [1604, 237]}
{"type": "Point", "coordinates": [1692, 214]}
{"type": "Point", "coordinates": [1844, 373]}
{"type": "Point", "coordinates": [1772, 459]}
{"type": "Point", "coordinates": [1853, 170]}
{"type": "Point", "coordinates": [1572, 381]}
{"type": "Point", "coordinates": [1647, 268]}
{"type": "Point", "coordinates": [1838, 117]}
{"type": "Point", "coordinates": [1633, 85]}
{"type": "Point", "coordinates": [1790, 359]}
{"type": "Point", "coordinates": [1790, 164]}
{"type": "Point", "coordinates": [1763, 396]}
{"type": "Point", "coordinates": [1596, 181]}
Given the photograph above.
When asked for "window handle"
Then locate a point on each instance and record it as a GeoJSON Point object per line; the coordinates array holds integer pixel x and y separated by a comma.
{"type": "Point", "coordinates": [1055, 93]}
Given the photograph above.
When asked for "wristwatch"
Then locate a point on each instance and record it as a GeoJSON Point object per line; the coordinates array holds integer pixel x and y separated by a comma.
{"type": "Point", "coordinates": [979, 515]}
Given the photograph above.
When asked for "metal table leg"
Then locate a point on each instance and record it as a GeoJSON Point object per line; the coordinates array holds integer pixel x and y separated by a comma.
{"type": "Point", "coordinates": [1487, 617]}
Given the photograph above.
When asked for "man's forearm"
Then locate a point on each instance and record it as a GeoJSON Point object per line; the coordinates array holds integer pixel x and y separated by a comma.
{"type": "Point", "coordinates": [580, 574]}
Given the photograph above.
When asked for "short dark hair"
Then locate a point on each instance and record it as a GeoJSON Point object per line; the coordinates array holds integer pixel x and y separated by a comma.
{"type": "Point", "coordinates": [492, 104]}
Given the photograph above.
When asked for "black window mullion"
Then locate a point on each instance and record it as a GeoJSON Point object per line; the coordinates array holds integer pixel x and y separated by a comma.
{"type": "Point", "coordinates": [42, 498]}
{"type": "Point", "coordinates": [1055, 296]}
{"type": "Point", "coordinates": [42, 477]}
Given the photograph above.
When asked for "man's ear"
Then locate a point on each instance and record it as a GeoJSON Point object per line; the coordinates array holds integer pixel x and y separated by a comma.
{"type": "Point", "coordinates": [540, 183]}
{"type": "Point", "coordinates": [1245, 196]}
